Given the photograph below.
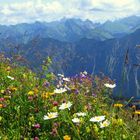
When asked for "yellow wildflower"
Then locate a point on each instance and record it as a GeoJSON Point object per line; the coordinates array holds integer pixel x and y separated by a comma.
{"type": "Point", "coordinates": [118, 105]}
{"type": "Point", "coordinates": [31, 93]}
{"type": "Point", "coordinates": [67, 137]}
{"type": "Point", "coordinates": [45, 95]}
{"type": "Point", "coordinates": [13, 89]}
{"type": "Point", "coordinates": [51, 93]}
{"type": "Point", "coordinates": [137, 112]}
{"type": "Point", "coordinates": [36, 90]}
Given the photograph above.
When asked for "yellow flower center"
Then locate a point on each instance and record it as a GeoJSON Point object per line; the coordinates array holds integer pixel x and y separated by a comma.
{"type": "Point", "coordinates": [50, 115]}
{"type": "Point", "coordinates": [97, 118]}
{"type": "Point", "coordinates": [66, 106]}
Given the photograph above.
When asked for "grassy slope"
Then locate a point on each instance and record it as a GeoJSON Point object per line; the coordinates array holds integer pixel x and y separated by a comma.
{"type": "Point", "coordinates": [26, 99]}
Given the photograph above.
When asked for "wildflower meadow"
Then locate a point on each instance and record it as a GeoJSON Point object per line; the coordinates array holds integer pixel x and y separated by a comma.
{"type": "Point", "coordinates": [55, 107]}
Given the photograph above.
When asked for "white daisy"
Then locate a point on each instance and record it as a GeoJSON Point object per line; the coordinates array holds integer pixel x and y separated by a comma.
{"type": "Point", "coordinates": [85, 73]}
{"type": "Point", "coordinates": [66, 79]}
{"type": "Point", "coordinates": [50, 115]}
{"type": "Point", "coordinates": [110, 85]}
{"type": "Point", "coordinates": [97, 118]}
{"type": "Point", "coordinates": [76, 120]}
{"type": "Point", "coordinates": [60, 75]}
{"type": "Point", "coordinates": [60, 90]}
{"type": "Point", "coordinates": [12, 78]}
{"type": "Point", "coordinates": [81, 114]}
{"type": "Point", "coordinates": [65, 106]}
{"type": "Point", "coordinates": [104, 124]}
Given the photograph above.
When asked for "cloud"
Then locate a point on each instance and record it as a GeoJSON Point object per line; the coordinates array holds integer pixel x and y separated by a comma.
{"type": "Point", "coordinates": [49, 10]}
{"type": "Point", "coordinates": [111, 9]}
{"type": "Point", "coordinates": [97, 9]}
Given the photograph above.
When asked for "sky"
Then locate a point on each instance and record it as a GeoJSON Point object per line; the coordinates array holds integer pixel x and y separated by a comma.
{"type": "Point", "coordinates": [28, 11]}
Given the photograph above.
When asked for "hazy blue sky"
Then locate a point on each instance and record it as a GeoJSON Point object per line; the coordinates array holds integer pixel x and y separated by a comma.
{"type": "Point", "coordinates": [18, 11]}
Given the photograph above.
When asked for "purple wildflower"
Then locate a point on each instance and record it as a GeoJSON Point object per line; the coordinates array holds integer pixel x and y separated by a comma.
{"type": "Point", "coordinates": [37, 125]}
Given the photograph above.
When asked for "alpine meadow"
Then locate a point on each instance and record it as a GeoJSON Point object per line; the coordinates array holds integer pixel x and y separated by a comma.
{"type": "Point", "coordinates": [69, 70]}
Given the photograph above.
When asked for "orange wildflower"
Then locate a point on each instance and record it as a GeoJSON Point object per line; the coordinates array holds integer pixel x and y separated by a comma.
{"type": "Point", "coordinates": [1, 105]}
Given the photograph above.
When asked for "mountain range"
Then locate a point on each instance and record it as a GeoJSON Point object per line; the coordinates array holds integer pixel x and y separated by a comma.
{"type": "Point", "coordinates": [111, 48]}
